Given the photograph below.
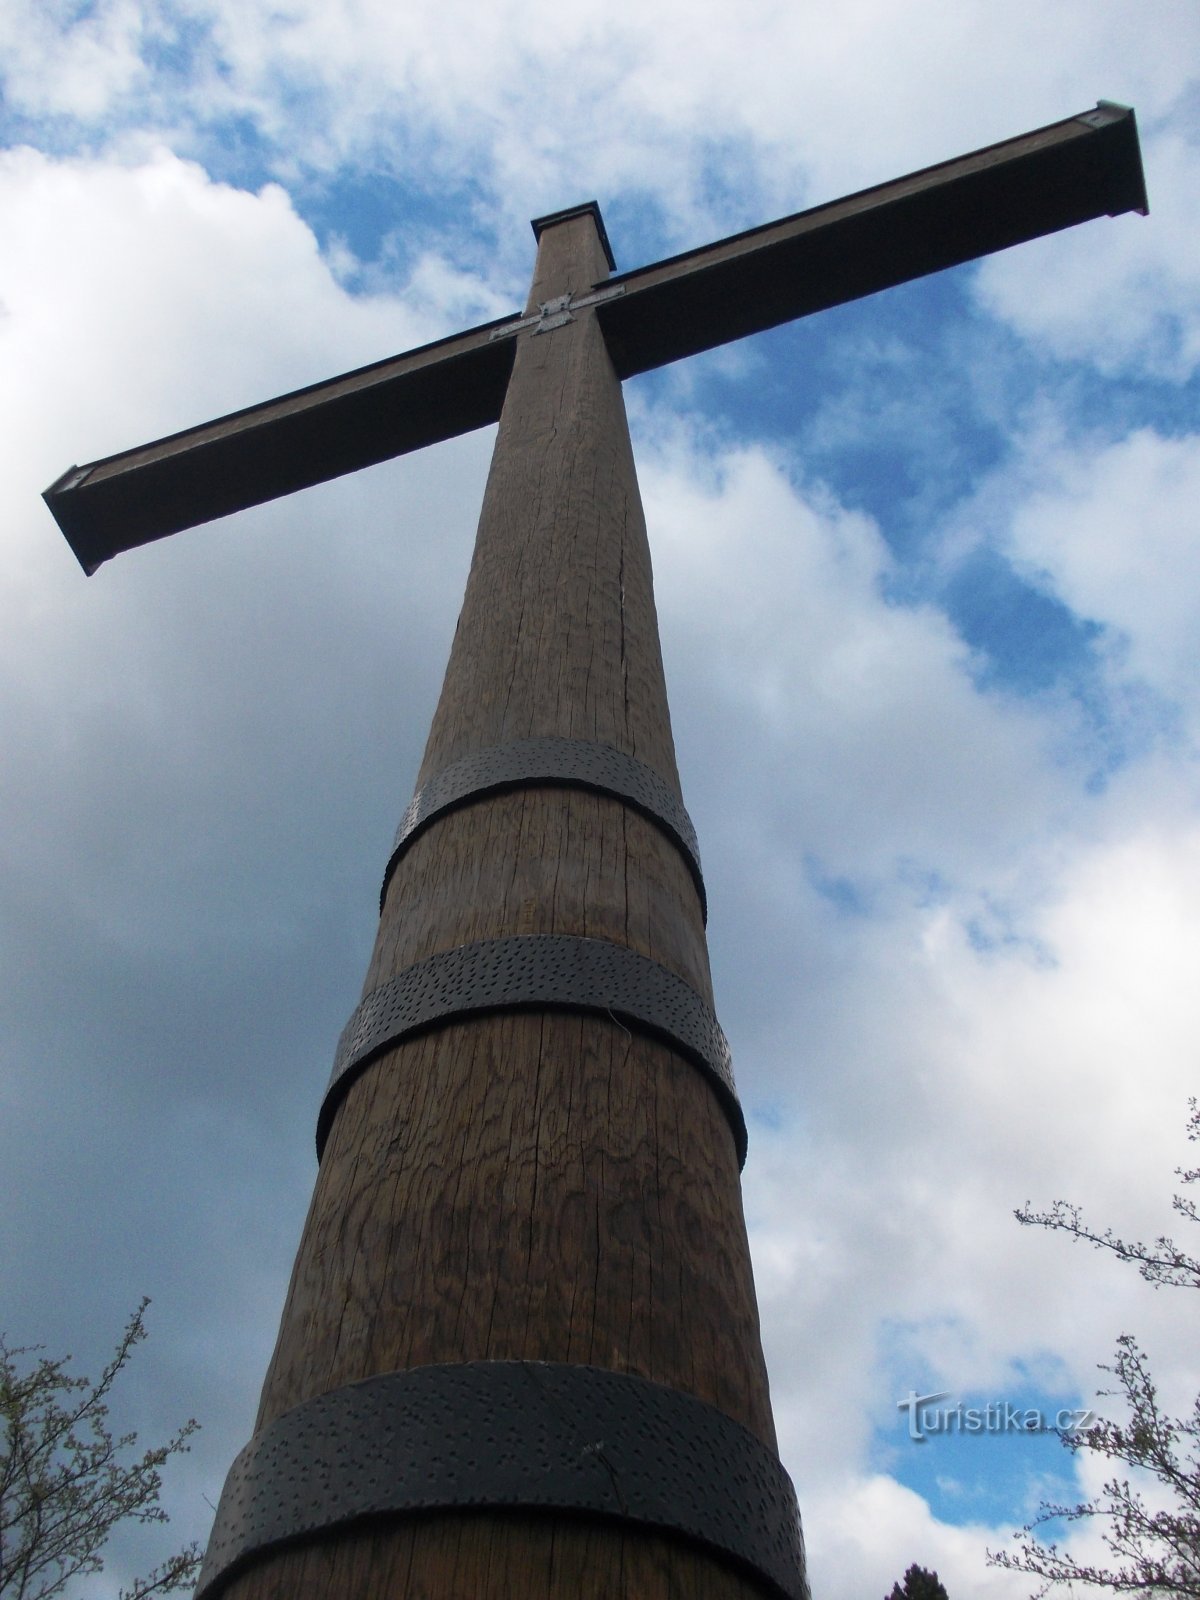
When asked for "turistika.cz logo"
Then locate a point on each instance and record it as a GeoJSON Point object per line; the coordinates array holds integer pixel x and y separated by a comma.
{"type": "Point", "coordinates": [927, 1417]}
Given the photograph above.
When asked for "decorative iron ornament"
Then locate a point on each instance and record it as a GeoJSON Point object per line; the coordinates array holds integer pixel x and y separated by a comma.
{"type": "Point", "coordinates": [542, 971]}
{"type": "Point", "coordinates": [494, 1436]}
{"type": "Point", "coordinates": [566, 763]}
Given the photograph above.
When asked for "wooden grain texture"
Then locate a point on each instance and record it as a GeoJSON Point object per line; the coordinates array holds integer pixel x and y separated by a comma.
{"type": "Point", "coordinates": [502, 1558]}
{"type": "Point", "coordinates": [558, 633]}
{"type": "Point", "coordinates": [540, 1185]}
{"type": "Point", "coordinates": [548, 1187]}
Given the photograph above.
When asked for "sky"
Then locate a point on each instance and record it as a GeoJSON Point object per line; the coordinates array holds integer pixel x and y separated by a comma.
{"type": "Point", "coordinates": [929, 585]}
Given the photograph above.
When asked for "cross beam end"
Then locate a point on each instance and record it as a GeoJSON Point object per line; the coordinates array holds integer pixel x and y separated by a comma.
{"type": "Point", "coordinates": [1084, 167]}
{"type": "Point", "coordinates": [307, 437]}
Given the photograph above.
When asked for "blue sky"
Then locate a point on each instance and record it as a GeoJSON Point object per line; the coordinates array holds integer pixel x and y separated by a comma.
{"type": "Point", "coordinates": [929, 584]}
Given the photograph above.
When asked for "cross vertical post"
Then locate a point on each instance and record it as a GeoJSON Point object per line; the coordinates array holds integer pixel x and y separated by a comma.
{"type": "Point", "coordinates": [546, 1185]}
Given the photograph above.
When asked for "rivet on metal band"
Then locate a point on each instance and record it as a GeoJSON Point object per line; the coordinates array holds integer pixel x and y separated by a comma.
{"type": "Point", "coordinates": [495, 1436]}
{"type": "Point", "coordinates": [554, 972]}
{"type": "Point", "coordinates": [566, 763]}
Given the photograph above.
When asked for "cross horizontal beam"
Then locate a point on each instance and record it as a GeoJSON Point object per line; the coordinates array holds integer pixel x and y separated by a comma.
{"type": "Point", "coordinates": [1073, 171]}
{"type": "Point", "coordinates": [1083, 167]}
{"type": "Point", "coordinates": [309, 436]}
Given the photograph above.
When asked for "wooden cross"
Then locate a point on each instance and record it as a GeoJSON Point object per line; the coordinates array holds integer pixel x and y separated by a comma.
{"type": "Point", "coordinates": [520, 1353]}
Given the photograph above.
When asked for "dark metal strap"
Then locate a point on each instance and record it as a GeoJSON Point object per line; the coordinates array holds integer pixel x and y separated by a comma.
{"type": "Point", "coordinates": [547, 971]}
{"type": "Point", "coordinates": [489, 1436]}
{"type": "Point", "coordinates": [562, 763]}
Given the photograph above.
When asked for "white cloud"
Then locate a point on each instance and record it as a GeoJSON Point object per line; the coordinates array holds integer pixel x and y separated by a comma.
{"type": "Point", "coordinates": [114, 277]}
{"type": "Point", "coordinates": [864, 1533]}
{"type": "Point", "coordinates": [139, 300]}
{"type": "Point", "coordinates": [962, 1085]}
{"type": "Point", "coordinates": [1129, 303]}
{"type": "Point", "coordinates": [1111, 529]}
{"type": "Point", "coordinates": [58, 61]}
{"type": "Point", "coordinates": [875, 756]}
{"type": "Point", "coordinates": [535, 107]}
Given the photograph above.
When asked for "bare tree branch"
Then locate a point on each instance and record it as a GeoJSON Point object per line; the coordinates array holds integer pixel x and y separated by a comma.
{"type": "Point", "coordinates": [65, 1483]}
{"type": "Point", "coordinates": [1155, 1552]}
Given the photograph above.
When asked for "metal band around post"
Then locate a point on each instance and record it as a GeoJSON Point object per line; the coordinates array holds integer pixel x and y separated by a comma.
{"type": "Point", "coordinates": [553, 762]}
{"type": "Point", "coordinates": [495, 1436]}
{"type": "Point", "coordinates": [554, 972]}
